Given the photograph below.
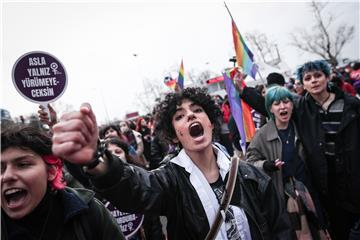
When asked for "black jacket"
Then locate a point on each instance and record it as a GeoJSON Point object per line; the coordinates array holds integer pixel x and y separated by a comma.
{"type": "Point", "coordinates": [85, 218]}
{"type": "Point", "coordinates": [159, 149]}
{"type": "Point", "coordinates": [168, 191]}
{"type": "Point", "coordinates": [347, 148]}
{"type": "Point", "coordinates": [347, 145]}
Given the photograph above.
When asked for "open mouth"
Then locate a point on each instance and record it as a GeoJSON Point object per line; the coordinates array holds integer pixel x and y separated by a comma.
{"type": "Point", "coordinates": [283, 113]}
{"type": "Point", "coordinates": [14, 195]}
{"type": "Point", "coordinates": [196, 130]}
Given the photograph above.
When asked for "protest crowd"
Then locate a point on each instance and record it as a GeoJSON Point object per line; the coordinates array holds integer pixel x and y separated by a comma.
{"type": "Point", "coordinates": [168, 174]}
{"type": "Point", "coordinates": [280, 160]}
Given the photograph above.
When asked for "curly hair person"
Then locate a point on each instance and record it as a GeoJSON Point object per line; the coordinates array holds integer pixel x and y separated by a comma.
{"type": "Point", "coordinates": [167, 108]}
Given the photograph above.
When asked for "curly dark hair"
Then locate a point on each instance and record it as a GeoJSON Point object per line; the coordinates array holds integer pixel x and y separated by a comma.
{"type": "Point", "coordinates": [166, 109]}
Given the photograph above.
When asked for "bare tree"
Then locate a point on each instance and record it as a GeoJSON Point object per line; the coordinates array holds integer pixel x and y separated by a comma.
{"type": "Point", "coordinates": [322, 41]}
{"type": "Point", "coordinates": [143, 103]}
{"type": "Point", "coordinates": [199, 79]}
{"type": "Point", "coordinates": [268, 50]}
{"type": "Point", "coordinates": [153, 91]}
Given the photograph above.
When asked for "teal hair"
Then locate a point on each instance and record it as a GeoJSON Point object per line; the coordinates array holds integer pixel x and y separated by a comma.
{"type": "Point", "coordinates": [276, 93]}
{"type": "Point", "coordinates": [317, 65]}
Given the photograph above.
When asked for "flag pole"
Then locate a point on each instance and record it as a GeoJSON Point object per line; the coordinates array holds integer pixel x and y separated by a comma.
{"type": "Point", "coordinates": [228, 11]}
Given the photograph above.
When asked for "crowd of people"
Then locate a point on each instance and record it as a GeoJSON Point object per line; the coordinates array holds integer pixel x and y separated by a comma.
{"type": "Point", "coordinates": [299, 178]}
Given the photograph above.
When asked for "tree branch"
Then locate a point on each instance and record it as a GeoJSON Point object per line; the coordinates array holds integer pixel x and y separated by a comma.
{"type": "Point", "coordinates": [320, 41]}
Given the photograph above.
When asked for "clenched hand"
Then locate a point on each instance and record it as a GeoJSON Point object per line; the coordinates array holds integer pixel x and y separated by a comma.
{"type": "Point", "coordinates": [75, 136]}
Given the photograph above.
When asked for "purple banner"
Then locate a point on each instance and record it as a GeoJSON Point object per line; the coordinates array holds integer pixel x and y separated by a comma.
{"type": "Point", "coordinates": [236, 109]}
{"type": "Point", "coordinates": [129, 223]}
{"type": "Point", "coordinates": [39, 77]}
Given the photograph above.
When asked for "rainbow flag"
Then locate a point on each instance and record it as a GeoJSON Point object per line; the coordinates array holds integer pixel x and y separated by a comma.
{"type": "Point", "coordinates": [244, 56]}
{"type": "Point", "coordinates": [240, 110]}
{"type": "Point", "coordinates": [180, 80]}
{"type": "Point", "coordinates": [171, 83]}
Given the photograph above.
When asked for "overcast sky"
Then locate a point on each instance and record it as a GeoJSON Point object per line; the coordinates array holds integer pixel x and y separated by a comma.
{"type": "Point", "coordinates": [96, 41]}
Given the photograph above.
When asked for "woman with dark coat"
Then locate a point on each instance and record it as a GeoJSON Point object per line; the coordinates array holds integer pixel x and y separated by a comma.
{"type": "Point", "coordinates": [187, 190]}
{"type": "Point", "coordinates": [35, 204]}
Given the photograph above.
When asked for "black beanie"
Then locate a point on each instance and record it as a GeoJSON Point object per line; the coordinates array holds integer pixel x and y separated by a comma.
{"type": "Point", "coordinates": [275, 78]}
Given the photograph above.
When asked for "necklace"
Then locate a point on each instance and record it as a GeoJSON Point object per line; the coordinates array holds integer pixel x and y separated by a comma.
{"type": "Point", "coordinates": [327, 98]}
{"type": "Point", "coordinates": [286, 137]}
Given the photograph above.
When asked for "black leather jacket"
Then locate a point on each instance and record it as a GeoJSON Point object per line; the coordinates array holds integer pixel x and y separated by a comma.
{"type": "Point", "coordinates": [168, 191]}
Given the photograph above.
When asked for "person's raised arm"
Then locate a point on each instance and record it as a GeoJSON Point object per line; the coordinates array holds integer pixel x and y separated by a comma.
{"type": "Point", "coordinates": [75, 138]}
{"type": "Point", "coordinates": [239, 80]}
{"type": "Point", "coordinates": [249, 94]}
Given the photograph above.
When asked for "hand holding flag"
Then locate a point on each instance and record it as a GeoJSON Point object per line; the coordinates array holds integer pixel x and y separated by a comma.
{"type": "Point", "coordinates": [240, 110]}
{"type": "Point", "coordinates": [238, 79]}
{"type": "Point", "coordinates": [234, 78]}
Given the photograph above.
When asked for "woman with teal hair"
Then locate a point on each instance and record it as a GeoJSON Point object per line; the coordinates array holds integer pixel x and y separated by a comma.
{"type": "Point", "coordinates": [277, 150]}
{"type": "Point", "coordinates": [276, 147]}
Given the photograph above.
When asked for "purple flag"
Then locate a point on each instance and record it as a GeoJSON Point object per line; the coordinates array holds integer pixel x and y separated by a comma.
{"type": "Point", "coordinates": [236, 109]}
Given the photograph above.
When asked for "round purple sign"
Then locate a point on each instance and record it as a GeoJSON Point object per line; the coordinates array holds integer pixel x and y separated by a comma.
{"type": "Point", "coordinates": [129, 223]}
{"type": "Point", "coordinates": [39, 77]}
